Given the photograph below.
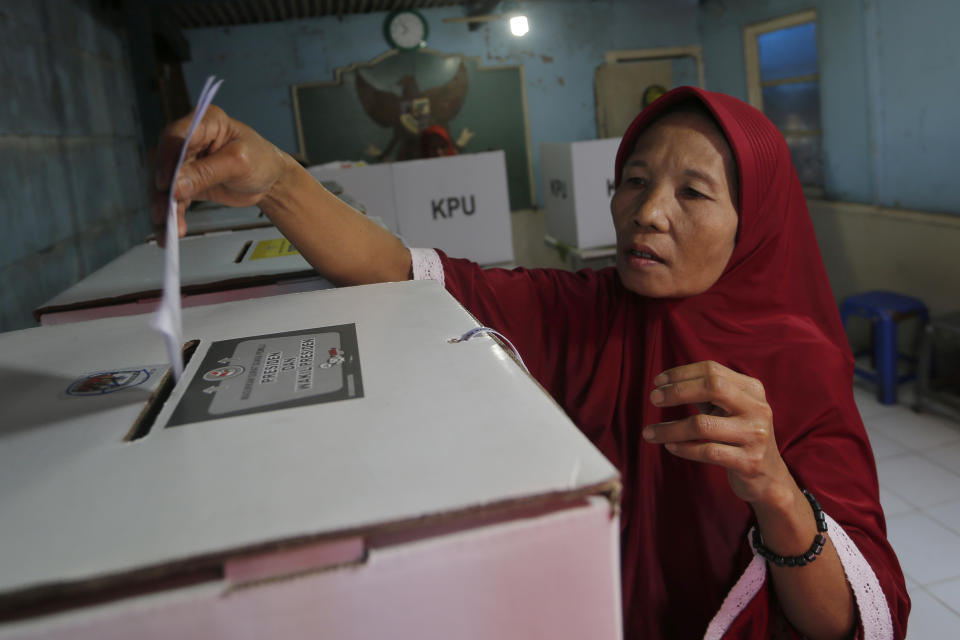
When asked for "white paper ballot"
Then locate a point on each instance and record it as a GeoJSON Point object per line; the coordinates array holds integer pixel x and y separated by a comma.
{"type": "Point", "coordinates": [167, 319]}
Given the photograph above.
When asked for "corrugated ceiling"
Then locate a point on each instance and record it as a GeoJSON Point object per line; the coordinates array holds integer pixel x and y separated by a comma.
{"type": "Point", "coordinates": [195, 14]}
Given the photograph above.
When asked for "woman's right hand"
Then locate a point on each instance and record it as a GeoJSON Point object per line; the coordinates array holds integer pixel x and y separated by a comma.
{"type": "Point", "coordinates": [226, 162]}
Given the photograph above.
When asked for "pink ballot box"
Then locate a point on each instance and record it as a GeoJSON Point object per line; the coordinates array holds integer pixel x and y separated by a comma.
{"type": "Point", "coordinates": [330, 465]}
{"type": "Point", "coordinates": [214, 268]}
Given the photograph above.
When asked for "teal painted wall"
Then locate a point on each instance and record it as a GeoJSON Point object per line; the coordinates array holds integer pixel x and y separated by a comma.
{"type": "Point", "coordinates": [566, 43]}
{"type": "Point", "coordinates": [72, 189]}
{"type": "Point", "coordinates": [889, 91]}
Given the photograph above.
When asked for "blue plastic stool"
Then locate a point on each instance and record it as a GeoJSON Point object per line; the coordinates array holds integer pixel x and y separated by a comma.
{"type": "Point", "coordinates": [884, 309]}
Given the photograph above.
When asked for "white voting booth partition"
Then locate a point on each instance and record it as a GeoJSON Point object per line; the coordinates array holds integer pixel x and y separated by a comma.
{"type": "Point", "coordinates": [369, 185]}
{"type": "Point", "coordinates": [232, 265]}
{"type": "Point", "coordinates": [329, 465]}
{"type": "Point", "coordinates": [578, 182]}
{"type": "Point", "coordinates": [212, 218]}
{"type": "Point", "coordinates": [459, 204]}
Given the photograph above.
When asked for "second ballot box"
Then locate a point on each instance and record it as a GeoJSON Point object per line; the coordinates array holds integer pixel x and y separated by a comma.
{"type": "Point", "coordinates": [214, 268]}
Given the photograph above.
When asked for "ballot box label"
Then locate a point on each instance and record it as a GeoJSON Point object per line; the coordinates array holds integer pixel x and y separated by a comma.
{"type": "Point", "coordinates": [273, 371]}
{"type": "Point", "coordinates": [275, 248]}
{"type": "Point", "coordinates": [99, 383]}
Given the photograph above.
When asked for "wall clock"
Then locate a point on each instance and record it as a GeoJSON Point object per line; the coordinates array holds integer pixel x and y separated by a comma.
{"type": "Point", "coordinates": [406, 30]}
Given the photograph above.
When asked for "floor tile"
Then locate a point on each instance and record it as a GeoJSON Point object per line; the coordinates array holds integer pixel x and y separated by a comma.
{"type": "Point", "coordinates": [884, 446]}
{"type": "Point", "coordinates": [947, 514]}
{"type": "Point", "coordinates": [917, 431]}
{"type": "Point", "coordinates": [948, 593]}
{"type": "Point", "coordinates": [867, 403]}
{"type": "Point", "coordinates": [893, 505]}
{"type": "Point", "coordinates": [919, 481]}
{"type": "Point", "coordinates": [927, 550]}
{"type": "Point", "coordinates": [906, 394]}
{"type": "Point", "coordinates": [947, 455]}
{"type": "Point", "coordinates": [930, 619]}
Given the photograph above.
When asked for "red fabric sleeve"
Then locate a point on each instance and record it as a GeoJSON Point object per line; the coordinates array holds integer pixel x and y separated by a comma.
{"type": "Point", "coordinates": [550, 315]}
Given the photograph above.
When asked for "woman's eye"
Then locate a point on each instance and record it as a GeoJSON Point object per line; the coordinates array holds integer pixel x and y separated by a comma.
{"type": "Point", "coordinates": [637, 181]}
{"type": "Point", "coordinates": [693, 193]}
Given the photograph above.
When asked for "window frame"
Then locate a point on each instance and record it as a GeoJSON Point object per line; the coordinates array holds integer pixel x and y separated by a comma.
{"type": "Point", "coordinates": [755, 84]}
{"type": "Point", "coordinates": [752, 52]}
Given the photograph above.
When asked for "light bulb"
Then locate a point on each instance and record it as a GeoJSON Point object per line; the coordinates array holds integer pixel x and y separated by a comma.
{"type": "Point", "coordinates": [519, 26]}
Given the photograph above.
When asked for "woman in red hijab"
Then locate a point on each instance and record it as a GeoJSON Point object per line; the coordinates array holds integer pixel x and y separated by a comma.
{"type": "Point", "coordinates": [710, 366]}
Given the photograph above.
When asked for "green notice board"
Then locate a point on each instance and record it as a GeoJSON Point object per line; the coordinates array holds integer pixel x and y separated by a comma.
{"type": "Point", "coordinates": [334, 124]}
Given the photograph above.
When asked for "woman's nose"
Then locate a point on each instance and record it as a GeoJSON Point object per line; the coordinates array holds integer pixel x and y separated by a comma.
{"type": "Point", "coordinates": [651, 211]}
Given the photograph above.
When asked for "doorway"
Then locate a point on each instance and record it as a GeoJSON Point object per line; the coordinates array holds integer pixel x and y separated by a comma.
{"type": "Point", "coordinates": [630, 80]}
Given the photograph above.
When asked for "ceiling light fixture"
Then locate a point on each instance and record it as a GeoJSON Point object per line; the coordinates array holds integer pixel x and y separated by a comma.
{"type": "Point", "coordinates": [519, 26]}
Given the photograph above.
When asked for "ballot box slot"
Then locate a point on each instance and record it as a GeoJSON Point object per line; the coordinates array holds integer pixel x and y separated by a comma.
{"type": "Point", "coordinates": [243, 251]}
{"type": "Point", "coordinates": [144, 422]}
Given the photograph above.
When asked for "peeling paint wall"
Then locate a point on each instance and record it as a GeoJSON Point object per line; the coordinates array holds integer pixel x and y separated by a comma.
{"type": "Point", "coordinates": [889, 91]}
{"type": "Point", "coordinates": [566, 43]}
{"type": "Point", "coordinates": [72, 190]}
{"type": "Point", "coordinates": [915, 91]}
{"type": "Point", "coordinates": [889, 102]}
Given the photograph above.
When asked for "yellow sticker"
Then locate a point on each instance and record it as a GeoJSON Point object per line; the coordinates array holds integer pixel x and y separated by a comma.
{"type": "Point", "coordinates": [276, 248]}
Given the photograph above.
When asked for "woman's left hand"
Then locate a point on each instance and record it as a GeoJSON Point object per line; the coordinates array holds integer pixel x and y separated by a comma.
{"type": "Point", "coordinates": [734, 428]}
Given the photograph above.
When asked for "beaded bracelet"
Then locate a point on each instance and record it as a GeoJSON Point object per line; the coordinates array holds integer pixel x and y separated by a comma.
{"type": "Point", "coordinates": [804, 558]}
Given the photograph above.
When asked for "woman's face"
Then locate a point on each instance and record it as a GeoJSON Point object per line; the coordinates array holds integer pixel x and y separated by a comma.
{"type": "Point", "coordinates": [674, 210]}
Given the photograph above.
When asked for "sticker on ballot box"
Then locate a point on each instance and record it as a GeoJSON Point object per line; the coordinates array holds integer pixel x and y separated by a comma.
{"type": "Point", "coordinates": [271, 372]}
{"type": "Point", "coordinates": [275, 248]}
{"type": "Point", "coordinates": [100, 383]}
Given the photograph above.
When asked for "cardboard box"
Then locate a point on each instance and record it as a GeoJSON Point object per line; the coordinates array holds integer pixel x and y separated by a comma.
{"type": "Point", "coordinates": [456, 203]}
{"type": "Point", "coordinates": [232, 265]}
{"type": "Point", "coordinates": [329, 466]}
{"type": "Point", "coordinates": [578, 182]}
{"type": "Point", "coordinates": [370, 186]}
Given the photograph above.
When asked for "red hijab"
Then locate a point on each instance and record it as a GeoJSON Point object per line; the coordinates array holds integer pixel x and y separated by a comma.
{"type": "Point", "coordinates": [771, 315]}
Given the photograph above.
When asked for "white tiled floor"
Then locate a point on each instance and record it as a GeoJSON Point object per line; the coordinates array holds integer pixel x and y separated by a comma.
{"type": "Point", "coordinates": [918, 461]}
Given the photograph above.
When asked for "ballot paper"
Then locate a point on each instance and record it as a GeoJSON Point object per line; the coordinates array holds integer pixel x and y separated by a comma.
{"type": "Point", "coordinates": [167, 320]}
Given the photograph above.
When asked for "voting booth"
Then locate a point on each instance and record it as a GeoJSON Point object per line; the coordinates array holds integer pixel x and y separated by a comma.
{"type": "Point", "coordinates": [369, 186]}
{"type": "Point", "coordinates": [578, 182]}
{"type": "Point", "coordinates": [330, 465]}
{"type": "Point", "coordinates": [214, 268]}
{"type": "Point", "coordinates": [459, 204]}
{"type": "Point", "coordinates": [212, 218]}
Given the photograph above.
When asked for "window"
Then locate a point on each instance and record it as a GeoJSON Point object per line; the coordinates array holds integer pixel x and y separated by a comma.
{"type": "Point", "coordinates": [783, 81]}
